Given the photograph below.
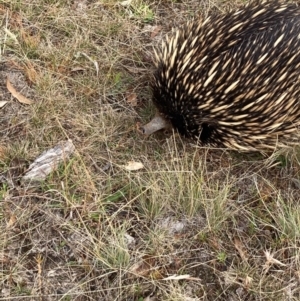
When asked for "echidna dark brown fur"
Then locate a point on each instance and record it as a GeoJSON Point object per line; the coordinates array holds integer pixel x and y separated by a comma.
{"type": "Point", "coordinates": [232, 80]}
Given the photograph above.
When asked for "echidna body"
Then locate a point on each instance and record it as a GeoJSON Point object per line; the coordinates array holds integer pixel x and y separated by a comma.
{"type": "Point", "coordinates": [233, 80]}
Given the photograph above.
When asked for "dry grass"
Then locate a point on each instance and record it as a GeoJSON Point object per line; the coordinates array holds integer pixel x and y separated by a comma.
{"type": "Point", "coordinates": [95, 231]}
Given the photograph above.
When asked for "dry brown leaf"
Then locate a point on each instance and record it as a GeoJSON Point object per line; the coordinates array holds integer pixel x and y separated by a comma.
{"type": "Point", "coordinates": [131, 98]}
{"type": "Point", "coordinates": [134, 166]}
{"type": "Point", "coordinates": [15, 20]}
{"type": "Point", "coordinates": [21, 98]}
{"type": "Point", "coordinates": [155, 31]}
{"type": "Point", "coordinates": [3, 9]}
{"type": "Point", "coordinates": [76, 69]}
{"type": "Point", "coordinates": [4, 258]}
{"type": "Point", "coordinates": [31, 73]}
{"type": "Point", "coordinates": [3, 152]}
{"type": "Point", "coordinates": [156, 274]}
{"type": "Point", "coordinates": [11, 221]}
{"type": "Point", "coordinates": [144, 267]}
{"type": "Point", "coordinates": [3, 103]}
{"type": "Point", "coordinates": [240, 247]}
{"type": "Point", "coordinates": [215, 243]}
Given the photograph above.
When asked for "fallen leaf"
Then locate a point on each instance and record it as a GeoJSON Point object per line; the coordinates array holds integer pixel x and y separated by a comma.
{"type": "Point", "coordinates": [134, 166]}
{"type": "Point", "coordinates": [131, 98]}
{"type": "Point", "coordinates": [11, 221]}
{"type": "Point", "coordinates": [156, 274]}
{"type": "Point", "coordinates": [3, 103]}
{"type": "Point", "coordinates": [143, 267]}
{"type": "Point", "coordinates": [106, 167]}
{"type": "Point", "coordinates": [3, 152]}
{"type": "Point", "coordinates": [129, 240]}
{"type": "Point", "coordinates": [21, 98]}
{"type": "Point", "coordinates": [181, 277]}
{"type": "Point", "coordinates": [126, 3]}
{"type": "Point", "coordinates": [31, 73]}
{"type": "Point", "coordinates": [171, 225]}
{"type": "Point", "coordinates": [241, 248]}
{"type": "Point", "coordinates": [155, 31]}
{"type": "Point", "coordinates": [76, 69]}
{"type": "Point", "coordinates": [52, 273]}
{"type": "Point", "coordinates": [80, 5]}
{"type": "Point", "coordinates": [215, 243]}
{"type": "Point", "coordinates": [177, 277]}
{"type": "Point", "coordinates": [4, 258]}
{"type": "Point", "coordinates": [49, 161]}
{"type": "Point", "coordinates": [6, 292]}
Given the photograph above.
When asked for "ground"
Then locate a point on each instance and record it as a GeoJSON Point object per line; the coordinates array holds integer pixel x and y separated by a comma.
{"type": "Point", "coordinates": [191, 224]}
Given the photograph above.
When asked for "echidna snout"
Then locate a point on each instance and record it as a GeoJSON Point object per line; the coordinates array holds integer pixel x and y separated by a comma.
{"type": "Point", "coordinates": [156, 124]}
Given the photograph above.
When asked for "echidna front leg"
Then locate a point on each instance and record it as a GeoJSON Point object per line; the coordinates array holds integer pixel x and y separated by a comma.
{"type": "Point", "coordinates": [156, 124]}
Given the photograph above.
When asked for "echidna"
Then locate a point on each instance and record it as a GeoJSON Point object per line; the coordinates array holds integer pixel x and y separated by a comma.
{"type": "Point", "coordinates": [232, 80]}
